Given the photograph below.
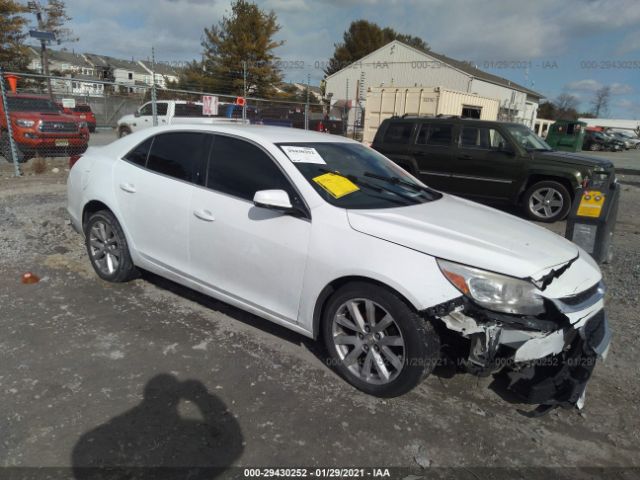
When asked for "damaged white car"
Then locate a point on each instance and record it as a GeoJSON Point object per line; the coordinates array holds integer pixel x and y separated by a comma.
{"type": "Point", "coordinates": [329, 238]}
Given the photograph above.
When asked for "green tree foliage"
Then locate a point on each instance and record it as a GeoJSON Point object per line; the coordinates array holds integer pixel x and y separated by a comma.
{"type": "Point", "coordinates": [363, 37]}
{"type": "Point", "coordinates": [246, 35]}
{"type": "Point", "coordinates": [13, 54]}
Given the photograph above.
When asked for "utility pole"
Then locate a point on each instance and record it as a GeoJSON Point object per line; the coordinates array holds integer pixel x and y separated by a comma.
{"type": "Point", "coordinates": [44, 60]}
{"type": "Point", "coordinates": [306, 107]}
{"type": "Point", "coordinates": [345, 123]}
{"type": "Point", "coordinates": [154, 107]}
{"type": "Point", "coordinates": [244, 91]}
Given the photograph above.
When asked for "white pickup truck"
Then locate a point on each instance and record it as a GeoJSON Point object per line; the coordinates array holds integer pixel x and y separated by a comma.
{"type": "Point", "coordinates": [169, 112]}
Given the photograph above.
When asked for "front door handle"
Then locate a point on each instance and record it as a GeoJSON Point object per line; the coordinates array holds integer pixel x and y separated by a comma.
{"type": "Point", "coordinates": [127, 187]}
{"type": "Point", "coordinates": [465, 157]}
{"type": "Point", "coordinates": [205, 215]}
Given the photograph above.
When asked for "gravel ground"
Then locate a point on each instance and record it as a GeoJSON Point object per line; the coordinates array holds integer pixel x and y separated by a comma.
{"type": "Point", "coordinates": [77, 354]}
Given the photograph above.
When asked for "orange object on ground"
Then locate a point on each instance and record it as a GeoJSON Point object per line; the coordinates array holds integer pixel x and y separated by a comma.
{"type": "Point", "coordinates": [30, 278]}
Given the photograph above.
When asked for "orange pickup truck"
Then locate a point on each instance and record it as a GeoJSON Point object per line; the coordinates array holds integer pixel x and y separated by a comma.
{"type": "Point", "coordinates": [41, 129]}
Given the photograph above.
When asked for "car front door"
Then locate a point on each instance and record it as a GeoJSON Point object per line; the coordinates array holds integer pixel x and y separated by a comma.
{"type": "Point", "coordinates": [250, 254]}
{"type": "Point", "coordinates": [486, 164]}
{"type": "Point", "coordinates": [144, 118]}
{"type": "Point", "coordinates": [154, 193]}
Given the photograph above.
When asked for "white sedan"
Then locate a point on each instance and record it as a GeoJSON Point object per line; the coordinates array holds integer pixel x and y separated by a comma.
{"type": "Point", "coordinates": [329, 238]}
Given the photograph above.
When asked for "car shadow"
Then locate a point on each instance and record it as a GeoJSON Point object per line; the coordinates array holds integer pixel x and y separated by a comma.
{"type": "Point", "coordinates": [152, 440]}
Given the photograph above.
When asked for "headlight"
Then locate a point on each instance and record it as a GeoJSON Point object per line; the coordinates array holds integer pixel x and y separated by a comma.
{"type": "Point", "coordinates": [25, 123]}
{"type": "Point", "coordinates": [492, 290]}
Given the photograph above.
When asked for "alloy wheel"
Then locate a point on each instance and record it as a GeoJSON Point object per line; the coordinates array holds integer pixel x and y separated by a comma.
{"type": "Point", "coordinates": [368, 341]}
{"type": "Point", "coordinates": [546, 202]}
{"type": "Point", "coordinates": [105, 248]}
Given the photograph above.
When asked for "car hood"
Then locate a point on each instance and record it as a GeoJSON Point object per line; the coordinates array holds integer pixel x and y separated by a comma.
{"type": "Point", "coordinates": [466, 232]}
{"type": "Point", "coordinates": [45, 116]}
{"type": "Point", "coordinates": [576, 159]}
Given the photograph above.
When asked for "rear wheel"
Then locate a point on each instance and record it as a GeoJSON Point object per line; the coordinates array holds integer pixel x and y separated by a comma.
{"type": "Point", "coordinates": [107, 248]}
{"type": "Point", "coordinates": [376, 341]}
{"type": "Point", "coordinates": [594, 147]}
{"type": "Point", "coordinates": [547, 201]}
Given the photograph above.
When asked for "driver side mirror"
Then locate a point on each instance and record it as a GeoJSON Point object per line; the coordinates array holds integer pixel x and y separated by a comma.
{"type": "Point", "coordinates": [136, 113]}
{"type": "Point", "coordinates": [273, 199]}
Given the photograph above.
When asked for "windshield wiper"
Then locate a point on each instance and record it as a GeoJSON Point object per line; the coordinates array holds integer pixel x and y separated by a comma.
{"type": "Point", "coordinates": [399, 181]}
{"type": "Point", "coordinates": [362, 183]}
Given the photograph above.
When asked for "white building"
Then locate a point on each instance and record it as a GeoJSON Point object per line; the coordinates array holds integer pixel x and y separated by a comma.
{"type": "Point", "coordinates": [397, 64]}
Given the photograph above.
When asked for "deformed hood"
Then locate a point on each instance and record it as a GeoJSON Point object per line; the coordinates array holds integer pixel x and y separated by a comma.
{"type": "Point", "coordinates": [466, 232]}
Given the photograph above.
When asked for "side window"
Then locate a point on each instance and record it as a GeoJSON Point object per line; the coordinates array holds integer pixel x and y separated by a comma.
{"type": "Point", "coordinates": [139, 154]}
{"type": "Point", "coordinates": [481, 137]}
{"type": "Point", "coordinates": [178, 154]}
{"type": "Point", "coordinates": [440, 134]}
{"type": "Point", "coordinates": [470, 137]}
{"type": "Point", "coordinates": [161, 108]}
{"type": "Point", "coordinates": [399, 132]}
{"type": "Point", "coordinates": [146, 109]}
{"type": "Point", "coordinates": [240, 168]}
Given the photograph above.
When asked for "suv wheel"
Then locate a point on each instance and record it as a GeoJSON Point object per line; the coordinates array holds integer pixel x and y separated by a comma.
{"type": "Point", "coordinates": [107, 248]}
{"type": "Point", "coordinates": [376, 341]}
{"type": "Point", "coordinates": [547, 201]}
{"type": "Point", "coordinates": [594, 147]}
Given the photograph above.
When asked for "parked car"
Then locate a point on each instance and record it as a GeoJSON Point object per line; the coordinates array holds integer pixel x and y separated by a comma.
{"type": "Point", "coordinates": [599, 141]}
{"type": "Point", "coordinates": [490, 161]}
{"type": "Point", "coordinates": [83, 112]}
{"type": "Point", "coordinates": [329, 238]}
{"type": "Point", "coordinates": [629, 141]}
{"type": "Point", "coordinates": [39, 128]}
{"type": "Point", "coordinates": [168, 112]}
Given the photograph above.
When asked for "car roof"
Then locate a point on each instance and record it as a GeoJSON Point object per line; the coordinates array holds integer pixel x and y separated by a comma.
{"type": "Point", "coordinates": [449, 119]}
{"type": "Point", "coordinates": [259, 133]}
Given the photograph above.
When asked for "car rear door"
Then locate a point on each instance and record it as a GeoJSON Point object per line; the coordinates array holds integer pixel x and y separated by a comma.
{"type": "Point", "coordinates": [154, 194]}
{"type": "Point", "coordinates": [251, 254]}
{"type": "Point", "coordinates": [486, 165]}
{"type": "Point", "coordinates": [434, 155]}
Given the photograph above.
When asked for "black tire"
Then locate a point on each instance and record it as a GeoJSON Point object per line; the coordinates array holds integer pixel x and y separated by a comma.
{"type": "Point", "coordinates": [594, 147]}
{"type": "Point", "coordinates": [92, 129]}
{"type": "Point", "coordinates": [123, 132]}
{"type": "Point", "coordinates": [541, 215]}
{"type": "Point", "coordinates": [421, 343]}
{"type": "Point", "coordinates": [117, 248]}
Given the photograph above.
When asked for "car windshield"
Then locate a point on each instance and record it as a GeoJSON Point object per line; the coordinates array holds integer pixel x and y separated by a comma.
{"type": "Point", "coordinates": [350, 175]}
{"type": "Point", "coordinates": [30, 104]}
{"type": "Point", "coordinates": [525, 137]}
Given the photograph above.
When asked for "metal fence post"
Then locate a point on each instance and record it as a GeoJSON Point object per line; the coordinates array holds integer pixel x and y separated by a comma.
{"type": "Point", "coordinates": [12, 144]}
{"type": "Point", "coordinates": [154, 107]}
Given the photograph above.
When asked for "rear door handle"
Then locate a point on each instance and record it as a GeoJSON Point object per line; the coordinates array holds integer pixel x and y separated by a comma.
{"type": "Point", "coordinates": [205, 215]}
{"type": "Point", "coordinates": [465, 157]}
{"type": "Point", "coordinates": [127, 187]}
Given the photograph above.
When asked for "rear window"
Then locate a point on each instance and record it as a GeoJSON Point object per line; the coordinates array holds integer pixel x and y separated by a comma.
{"type": "Point", "coordinates": [399, 132]}
{"type": "Point", "coordinates": [139, 154]}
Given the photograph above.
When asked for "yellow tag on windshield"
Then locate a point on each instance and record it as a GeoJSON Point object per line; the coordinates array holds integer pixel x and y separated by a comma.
{"type": "Point", "coordinates": [337, 185]}
{"type": "Point", "coordinates": [591, 204]}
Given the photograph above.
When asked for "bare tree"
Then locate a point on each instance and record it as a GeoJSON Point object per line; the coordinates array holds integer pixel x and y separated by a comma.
{"type": "Point", "coordinates": [566, 106]}
{"type": "Point", "coordinates": [600, 101]}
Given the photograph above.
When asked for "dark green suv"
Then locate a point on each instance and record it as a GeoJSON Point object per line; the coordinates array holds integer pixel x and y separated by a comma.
{"type": "Point", "coordinates": [491, 161]}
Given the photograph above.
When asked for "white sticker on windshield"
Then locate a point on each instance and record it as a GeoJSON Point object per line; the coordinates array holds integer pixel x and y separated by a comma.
{"type": "Point", "coordinates": [303, 155]}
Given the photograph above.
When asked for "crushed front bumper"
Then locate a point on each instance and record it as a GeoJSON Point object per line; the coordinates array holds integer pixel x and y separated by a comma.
{"type": "Point", "coordinates": [547, 361]}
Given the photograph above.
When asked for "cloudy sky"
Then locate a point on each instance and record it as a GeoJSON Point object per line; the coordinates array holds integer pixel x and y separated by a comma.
{"type": "Point", "coordinates": [573, 46]}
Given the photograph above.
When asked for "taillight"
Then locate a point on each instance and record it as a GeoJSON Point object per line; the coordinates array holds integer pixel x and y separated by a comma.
{"type": "Point", "coordinates": [73, 159]}
{"type": "Point", "coordinates": [320, 127]}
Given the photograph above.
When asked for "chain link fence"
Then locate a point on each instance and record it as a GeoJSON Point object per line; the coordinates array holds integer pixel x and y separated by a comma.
{"type": "Point", "coordinates": [82, 112]}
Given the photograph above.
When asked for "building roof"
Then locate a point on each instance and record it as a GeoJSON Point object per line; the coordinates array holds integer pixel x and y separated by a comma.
{"type": "Point", "coordinates": [464, 67]}
{"type": "Point", "coordinates": [161, 68]}
{"type": "Point", "coordinates": [103, 61]}
{"type": "Point", "coordinates": [66, 56]}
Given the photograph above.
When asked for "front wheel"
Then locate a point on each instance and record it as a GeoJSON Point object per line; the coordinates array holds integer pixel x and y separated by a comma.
{"type": "Point", "coordinates": [123, 132]}
{"type": "Point", "coordinates": [107, 248]}
{"type": "Point", "coordinates": [376, 341]}
{"type": "Point", "coordinates": [547, 201]}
